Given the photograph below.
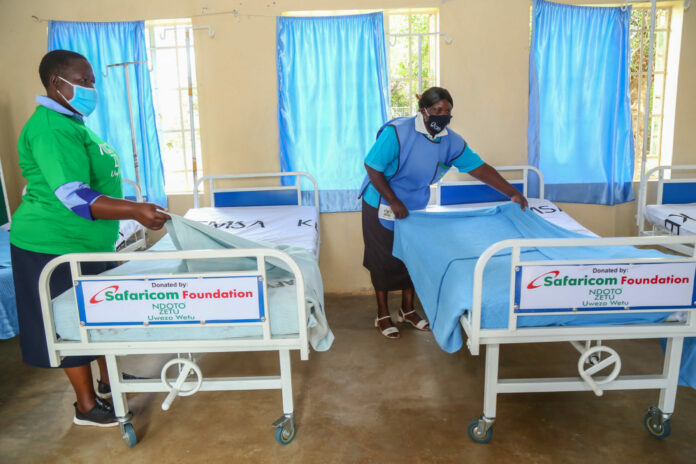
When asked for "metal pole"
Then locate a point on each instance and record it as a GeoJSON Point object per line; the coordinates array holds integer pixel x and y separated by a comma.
{"type": "Point", "coordinates": [132, 127]}
{"type": "Point", "coordinates": [420, 63]}
{"type": "Point", "coordinates": [130, 115]}
{"type": "Point", "coordinates": [191, 119]}
{"type": "Point", "coordinates": [648, 98]}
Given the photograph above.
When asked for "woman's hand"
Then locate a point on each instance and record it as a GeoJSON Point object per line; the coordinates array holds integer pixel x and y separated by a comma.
{"type": "Point", "coordinates": [520, 199]}
{"type": "Point", "coordinates": [149, 215]}
{"type": "Point", "coordinates": [399, 209]}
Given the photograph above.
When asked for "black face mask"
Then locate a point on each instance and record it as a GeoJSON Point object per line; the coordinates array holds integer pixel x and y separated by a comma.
{"type": "Point", "coordinates": [437, 123]}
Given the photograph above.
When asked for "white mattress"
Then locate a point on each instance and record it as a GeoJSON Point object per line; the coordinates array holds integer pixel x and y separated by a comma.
{"type": "Point", "coordinates": [281, 225]}
{"type": "Point", "coordinates": [541, 207]}
{"type": "Point", "coordinates": [126, 228]}
{"type": "Point", "coordinates": [678, 219]}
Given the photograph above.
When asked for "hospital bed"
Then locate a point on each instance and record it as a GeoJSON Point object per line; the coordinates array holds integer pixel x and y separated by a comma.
{"type": "Point", "coordinates": [674, 210]}
{"type": "Point", "coordinates": [275, 320]}
{"type": "Point", "coordinates": [9, 326]}
{"type": "Point", "coordinates": [279, 214]}
{"type": "Point", "coordinates": [489, 295]}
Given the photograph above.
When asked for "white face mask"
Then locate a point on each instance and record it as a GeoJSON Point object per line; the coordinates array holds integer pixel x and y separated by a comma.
{"type": "Point", "coordinates": [84, 99]}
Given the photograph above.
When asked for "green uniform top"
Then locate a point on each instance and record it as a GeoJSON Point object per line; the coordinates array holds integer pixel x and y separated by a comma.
{"type": "Point", "coordinates": [55, 149]}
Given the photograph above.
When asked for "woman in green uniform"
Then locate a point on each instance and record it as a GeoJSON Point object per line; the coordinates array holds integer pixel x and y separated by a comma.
{"type": "Point", "coordinates": [72, 205]}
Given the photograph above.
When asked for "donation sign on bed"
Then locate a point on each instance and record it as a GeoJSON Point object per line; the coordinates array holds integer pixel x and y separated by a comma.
{"type": "Point", "coordinates": [170, 301]}
{"type": "Point", "coordinates": [605, 286]}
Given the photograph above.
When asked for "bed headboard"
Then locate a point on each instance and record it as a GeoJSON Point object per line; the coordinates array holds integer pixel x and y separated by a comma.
{"type": "Point", "coordinates": [474, 191]}
{"type": "Point", "coordinates": [675, 191]}
{"type": "Point", "coordinates": [279, 195]}
{"type": "Point", "coordinates": [5, 216]}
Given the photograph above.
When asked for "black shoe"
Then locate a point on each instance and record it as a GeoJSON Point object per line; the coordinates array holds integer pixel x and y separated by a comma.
{"type": "Point", "coordinates": [101, 415]}
{"type": "Point", "coordinates": [104, 389]}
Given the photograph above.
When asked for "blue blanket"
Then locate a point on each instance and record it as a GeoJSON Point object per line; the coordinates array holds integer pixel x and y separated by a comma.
{"type": "Point", "coordinates": [440, 251]}
{"type": "Point", "coordinates": [8, 307]}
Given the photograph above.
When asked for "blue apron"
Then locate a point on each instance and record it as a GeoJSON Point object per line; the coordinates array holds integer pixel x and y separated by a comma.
{"type": "Point", "coordinates": [422, 162]}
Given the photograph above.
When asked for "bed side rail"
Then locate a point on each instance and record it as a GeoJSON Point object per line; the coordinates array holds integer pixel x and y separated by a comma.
{"type": "Point", "coordinates": [261, 257]}
{"type": "Point", "coordinates": [473, 321]}
{"type": "Point", "coordinates": [474, 191]}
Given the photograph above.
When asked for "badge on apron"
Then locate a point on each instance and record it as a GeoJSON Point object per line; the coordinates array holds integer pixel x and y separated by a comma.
{"type": "Point", "coordinates": [386, 215]}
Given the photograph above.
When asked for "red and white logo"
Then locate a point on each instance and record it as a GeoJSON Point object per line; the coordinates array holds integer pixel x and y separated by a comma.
{"type": "Point", "coordinates": [94, 300]}
{"type": "Point", "coordinates": [532, 285]}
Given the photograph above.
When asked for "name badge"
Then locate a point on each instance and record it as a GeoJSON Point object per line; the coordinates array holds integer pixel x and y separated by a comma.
{"type": "Point", "coordinates": [385, 212]}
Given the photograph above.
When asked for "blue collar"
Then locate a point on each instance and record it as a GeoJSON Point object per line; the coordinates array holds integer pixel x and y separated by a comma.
{"type": "Point", "coordinates": [51, 104]}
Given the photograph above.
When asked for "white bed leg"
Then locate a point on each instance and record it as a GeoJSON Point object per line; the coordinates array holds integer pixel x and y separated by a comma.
{"type": "Point", "coordinates": [481, 430]}
{"type": "Point", "coordinates": [670, 369]}
{"type": "Point", "coordinates": [285, 425]}
{"type": "Point", "coordinates": [286, 381]}
{"type": "Point", "coordinates": [117, 395]}
{"type": "Point", "coordinates": [490, 390]}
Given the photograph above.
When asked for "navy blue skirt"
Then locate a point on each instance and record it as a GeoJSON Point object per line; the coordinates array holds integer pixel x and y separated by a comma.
{"type": "Point", "coordinates": [386, 271]}
{"type": "Point", "coordinates": [26, 269]}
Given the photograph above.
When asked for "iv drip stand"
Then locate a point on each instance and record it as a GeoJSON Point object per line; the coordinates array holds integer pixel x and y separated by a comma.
{"type": "Point", "coordinates": [130, 114]}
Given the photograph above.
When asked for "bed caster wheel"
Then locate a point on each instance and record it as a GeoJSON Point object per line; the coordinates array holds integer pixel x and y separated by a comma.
{"type": "Point", "coordinates": [128, 434]}
{"type": "Point", "coordinates": [656, 425]}
{"type": "Point", "coordinates": [285, 434]}
{"type": "Point", "coordinates": [480, 430]}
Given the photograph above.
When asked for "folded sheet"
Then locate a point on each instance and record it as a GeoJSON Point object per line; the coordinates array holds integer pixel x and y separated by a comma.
{"type": "Point", "coordinates": [191, 235]}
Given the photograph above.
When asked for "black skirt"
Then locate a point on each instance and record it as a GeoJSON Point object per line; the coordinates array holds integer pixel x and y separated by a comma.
{"type": "Point", "coordinates": [387, 272]}
{"type": "Point", "coordinates": [26, 269]}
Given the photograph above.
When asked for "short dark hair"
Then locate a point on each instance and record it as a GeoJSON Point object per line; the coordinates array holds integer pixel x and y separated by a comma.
{"type": "Point", "coordinates": [55, 62]}
{"type": "Point", "coordinates": [434, 95]}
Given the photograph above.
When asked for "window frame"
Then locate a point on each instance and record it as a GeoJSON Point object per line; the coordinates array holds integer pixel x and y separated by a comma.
{"type": "Point", "coordinates": [183, 133]}
{"type": "Point", "coordinates": [641, 105]}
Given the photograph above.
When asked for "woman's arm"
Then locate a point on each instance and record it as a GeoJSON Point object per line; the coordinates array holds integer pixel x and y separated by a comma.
{"type": "Point", "coordinates": [113, 208]}
{"type": "Point", "coordinates": [380, 183]}
{"type": "Point", "coordinates": [487, 174]}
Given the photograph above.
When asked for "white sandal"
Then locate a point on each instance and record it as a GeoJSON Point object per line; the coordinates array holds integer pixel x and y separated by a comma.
{"type": "Point", "coordinates": [421, 325]}
{"type": "Point", "coordinates": [389, 331]}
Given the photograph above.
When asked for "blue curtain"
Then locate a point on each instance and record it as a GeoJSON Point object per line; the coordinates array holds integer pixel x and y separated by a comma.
{"type": "Point", "coordinates": [332, 99]}
{"type": "Point", "coordinates": [109, 43]}
{"type": "Point", "coordinates": [580, 132]}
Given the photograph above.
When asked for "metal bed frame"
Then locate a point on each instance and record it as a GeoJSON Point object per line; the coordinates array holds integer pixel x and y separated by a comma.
{"type": "Point", "coordinates": [182, 385]}
{"type": "Point", "coordinates": [669, 191]}
{"type": "Point", "coordinates": [657, 419]}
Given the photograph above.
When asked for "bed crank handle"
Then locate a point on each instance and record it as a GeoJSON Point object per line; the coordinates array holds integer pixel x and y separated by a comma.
{"type": "Point", "coordinates": [612, 357]}
{"type": "Point", "coordinates": [176, 389]}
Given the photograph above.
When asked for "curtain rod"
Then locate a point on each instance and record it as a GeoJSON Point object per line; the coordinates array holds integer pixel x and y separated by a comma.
{"type": "Point", "coordinates": [204, 11]}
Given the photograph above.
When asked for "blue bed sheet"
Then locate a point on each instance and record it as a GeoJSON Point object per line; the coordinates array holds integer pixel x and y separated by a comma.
{"type": "Point", "coordinates": [442, 267]}
{"type": "Point", "coordinates": [9, 326]}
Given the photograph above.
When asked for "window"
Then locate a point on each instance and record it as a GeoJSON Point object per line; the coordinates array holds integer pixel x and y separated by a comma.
{"type": "Point", "coordinates": [166, 45]}
{"type": "Point", "coordinates": [413, 50]}
{"type": "Point", "coordinates": [660, 124]}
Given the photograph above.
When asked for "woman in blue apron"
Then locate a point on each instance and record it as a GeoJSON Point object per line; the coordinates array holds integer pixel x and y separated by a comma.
{"type": "Point", "coordinates": [409, 155]}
